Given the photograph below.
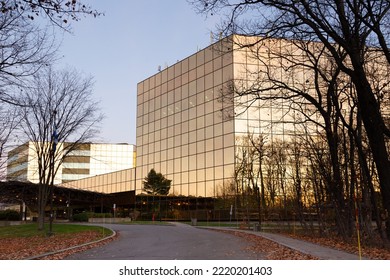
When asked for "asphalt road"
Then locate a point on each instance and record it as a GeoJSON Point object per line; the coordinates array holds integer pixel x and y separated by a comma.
{"type": "Point", "coordinates": [169, 242]}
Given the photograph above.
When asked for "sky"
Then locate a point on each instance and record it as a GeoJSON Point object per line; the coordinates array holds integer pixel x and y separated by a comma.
{"type": "Point", "coordinates": [126, 46]}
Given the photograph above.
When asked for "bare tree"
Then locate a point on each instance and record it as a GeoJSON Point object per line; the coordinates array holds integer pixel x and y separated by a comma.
{"type": "Point", "coordinates": [57, 12]}
{"type": "Point", "coordinates": [24, 49]}
{"type": "Point", "coordinates": [59, 110]}
{"type": "Point", "coordinates": [248, 174]}
{"type": "Point", "coordinates": [350, 31]}
{"type": "Point", "coordinates": [26, 44]}
{"type": "Point", "coordinates": [298, 76]}
{"type": "Point", "coordinates": [258, 144]}
{"type": "Point", "coordinates": [9, 120]}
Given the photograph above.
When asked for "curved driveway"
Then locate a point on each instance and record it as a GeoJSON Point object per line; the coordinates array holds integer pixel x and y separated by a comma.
{"type": "Point", "coordinates": [167, 242]}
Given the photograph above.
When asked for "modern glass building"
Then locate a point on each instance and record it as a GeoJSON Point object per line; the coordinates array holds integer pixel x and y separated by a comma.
{"type": "Point", "coordinates": [85, 161]}
{"type": "Point", "coordinates": [223, 126]}
{"type": "Point", "coordinates": [181, 130]}
{"type": "Point", "coordinates": [189, 124]}
{"type": "Point", "coordinates": [193, 128]}
{"type": "Point", "coordinates": [112, 182]}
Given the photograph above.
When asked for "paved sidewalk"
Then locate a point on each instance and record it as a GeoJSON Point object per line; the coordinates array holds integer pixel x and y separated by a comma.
{"type": "Point", "coordinates": [305, 247]}
{"type": "Point", "coordinates": [321, 252]}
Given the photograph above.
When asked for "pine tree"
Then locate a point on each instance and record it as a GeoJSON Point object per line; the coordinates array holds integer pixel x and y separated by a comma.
{"type": "Point", "coordinates": [156, 184]}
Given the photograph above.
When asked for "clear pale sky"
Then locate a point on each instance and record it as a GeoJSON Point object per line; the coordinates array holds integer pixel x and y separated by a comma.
{"type": "Point", "coordinates": [125, 47]}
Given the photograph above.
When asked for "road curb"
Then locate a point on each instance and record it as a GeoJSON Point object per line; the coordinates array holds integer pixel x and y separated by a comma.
{"type": "Point", "coordinates": [73, 247]}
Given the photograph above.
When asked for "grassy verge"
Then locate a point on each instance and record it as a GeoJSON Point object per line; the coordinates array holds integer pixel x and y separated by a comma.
{"type": "Point", "coordinates": [214, 224]}
{"type": "Point", "coordinates": [147, 223]}
{"type": "Point", "coordinates": [265, 226]}
{"type": "Point", "coordinates": [31, 230]}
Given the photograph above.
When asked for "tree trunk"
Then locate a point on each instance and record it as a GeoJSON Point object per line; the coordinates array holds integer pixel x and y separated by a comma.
{"type": "Point", "coordinates": [42, 200]}
{"type": "Point", "coordinates": [336, 185]}
{"type": "Point", "coordinates": [374, 127]}
{"type": "Point", "coordinates": [367, 178]}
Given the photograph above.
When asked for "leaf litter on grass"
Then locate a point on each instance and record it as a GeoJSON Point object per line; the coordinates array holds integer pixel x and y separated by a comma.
{"type": "Point", "coordinates": [18, 248]}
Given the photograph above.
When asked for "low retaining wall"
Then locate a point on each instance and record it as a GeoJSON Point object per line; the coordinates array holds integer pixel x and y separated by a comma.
{"type": "Point", "coordinates": [11, 223]}
{"type": "Point", "coordinates": [108, 220]}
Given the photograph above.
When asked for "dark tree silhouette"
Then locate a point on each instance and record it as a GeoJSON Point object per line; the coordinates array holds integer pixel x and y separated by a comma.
{"type": "Point", "coordinates": [353, 32]}
{"type": "Point", "coordinates": [156, 184]}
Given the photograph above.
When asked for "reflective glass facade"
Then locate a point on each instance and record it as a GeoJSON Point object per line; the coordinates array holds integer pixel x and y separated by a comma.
{"type": "Point", "coordinates": [119, 181]}
{"type": "Point", "coordinates": [190, 126]}
{"type": "Point", "coordinates": [22, 164]}
{"type": "Point", "coordinates": [85, 161]}
{"type": "Point", "coordinates": [193, 130]}
{"type": "Point", "coordinates": [181, 129]}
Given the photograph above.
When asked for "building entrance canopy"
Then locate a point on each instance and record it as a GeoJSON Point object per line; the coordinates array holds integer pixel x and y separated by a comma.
{"type": "Point", "coordinates": [14, 192]}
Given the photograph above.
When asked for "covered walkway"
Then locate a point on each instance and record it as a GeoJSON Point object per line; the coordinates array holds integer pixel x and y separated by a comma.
{"type": "Point", "coordinates": [65, 199]}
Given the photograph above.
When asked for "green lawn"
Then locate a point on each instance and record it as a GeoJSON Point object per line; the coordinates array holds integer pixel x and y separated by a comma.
{"type": "Point", "coordinates": [30, 230]}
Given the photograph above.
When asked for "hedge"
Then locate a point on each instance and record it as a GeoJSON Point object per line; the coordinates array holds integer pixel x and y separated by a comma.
{"type": "Point", "coordinates": [9, 215]}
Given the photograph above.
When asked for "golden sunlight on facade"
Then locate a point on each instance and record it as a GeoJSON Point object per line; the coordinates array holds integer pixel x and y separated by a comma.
{"type": "Point", "coordinates": [198, 119]}
{"type": "Point", "coordinates": [85, 161]}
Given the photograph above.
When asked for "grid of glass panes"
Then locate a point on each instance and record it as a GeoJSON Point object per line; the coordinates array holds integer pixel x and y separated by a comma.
{"type": "Point", "coordinates": [181, 131]}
